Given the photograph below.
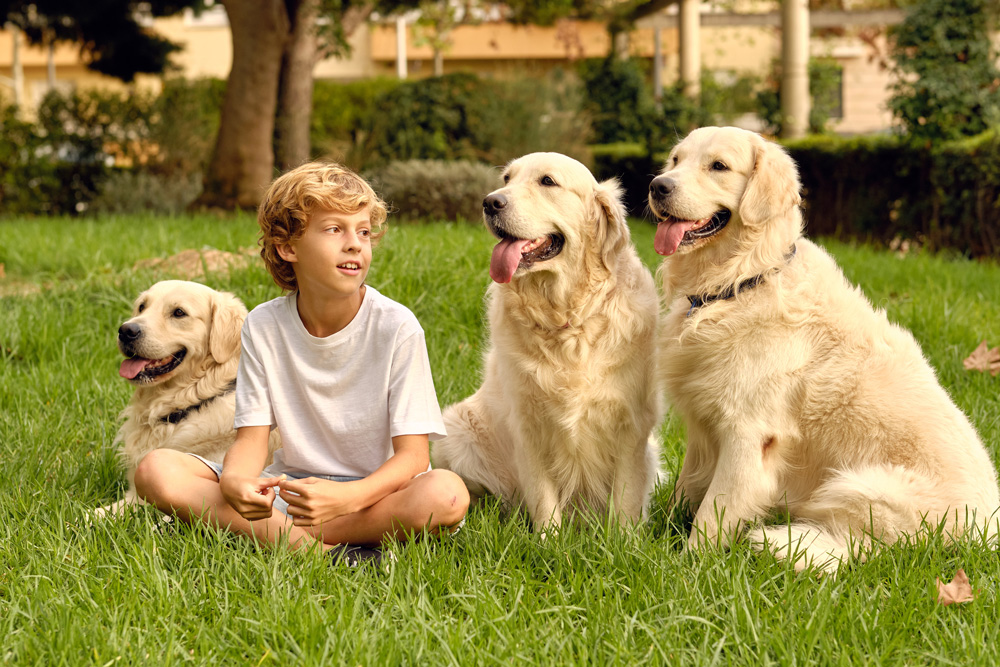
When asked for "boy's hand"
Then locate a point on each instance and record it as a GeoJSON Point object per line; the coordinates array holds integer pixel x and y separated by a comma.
{"type": "Point", "coordinates": [252, 497]}
{"type": "Point", "coordinates": [313, 501]}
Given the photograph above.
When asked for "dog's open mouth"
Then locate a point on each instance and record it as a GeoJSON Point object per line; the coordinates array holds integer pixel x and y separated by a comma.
{"type": "Point", "coordinates": [671, 232]}
{"type": "Point", "coordinates": [511, 254]}
{"type": "Point", "coordinates": [139, 369]}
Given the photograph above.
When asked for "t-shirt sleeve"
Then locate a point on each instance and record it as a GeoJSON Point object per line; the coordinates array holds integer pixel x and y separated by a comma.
{"type": "Point", "coordinates": [413, 405]}
{"type": "Point", "coordinates": [253, 400]}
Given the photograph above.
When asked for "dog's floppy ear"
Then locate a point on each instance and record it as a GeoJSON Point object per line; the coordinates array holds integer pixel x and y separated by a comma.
{"type": "Point", "coordinates": [612, 228]}
{"type": "Point", "coordinates": [228, 314]}
{"type": "Point", "coordinates": [773, 188]}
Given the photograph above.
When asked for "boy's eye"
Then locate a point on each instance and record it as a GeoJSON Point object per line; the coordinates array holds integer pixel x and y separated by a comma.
{"type": "Point", "coordinates": [365, 232]}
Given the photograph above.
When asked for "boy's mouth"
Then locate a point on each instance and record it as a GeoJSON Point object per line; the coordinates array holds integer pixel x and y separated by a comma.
{"type": "Point", "coordinates": [349, 266]}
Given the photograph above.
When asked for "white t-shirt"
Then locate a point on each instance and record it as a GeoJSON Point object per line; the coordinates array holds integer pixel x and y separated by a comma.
{"type": "Point", "coordinates": [338, 401]}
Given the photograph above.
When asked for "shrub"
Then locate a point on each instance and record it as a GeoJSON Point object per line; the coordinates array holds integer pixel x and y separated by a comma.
{"type": "Point", "coordinates": [435, 189]}
{"type": "Point", "coordinates": [128, 191]}
{"type": "Point", "coordinates": [945, 195]}
{"type": "Point", "coordinates": [946, 77]}
{"type": "Point", "coordinates": [342, 114]}
{"type": "Point", "coordinates": [618, 99]}
{"type": "Point", "coordinates": [184, 124]}
{"type": "Point", "coordinates": [634, 168]}
{"type": "Point", "coordinates": [463, 117]}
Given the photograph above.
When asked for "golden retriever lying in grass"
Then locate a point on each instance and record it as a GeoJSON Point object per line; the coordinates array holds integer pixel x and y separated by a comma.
{"type": "Point", "coordinates": [182, 348]}
{"type": "Point", "coordinates": [796, 393]}
{"type": "Point", "coordinates": [564, 415]}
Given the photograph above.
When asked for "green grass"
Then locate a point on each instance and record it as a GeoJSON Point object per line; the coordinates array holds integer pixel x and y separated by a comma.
{"type": "Point", "coordinates": [137, 591]}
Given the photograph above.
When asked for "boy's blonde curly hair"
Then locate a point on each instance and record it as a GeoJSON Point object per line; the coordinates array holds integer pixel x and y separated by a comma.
{"type": "Point", "coordinates": [294, 196]}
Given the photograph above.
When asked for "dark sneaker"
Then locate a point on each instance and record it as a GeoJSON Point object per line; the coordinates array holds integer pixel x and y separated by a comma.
{"type": "Point", "coordinates": [351, 556]}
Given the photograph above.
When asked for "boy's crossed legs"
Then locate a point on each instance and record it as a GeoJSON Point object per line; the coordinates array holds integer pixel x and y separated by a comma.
{"type": "Point", "coordinates": [183, 485]}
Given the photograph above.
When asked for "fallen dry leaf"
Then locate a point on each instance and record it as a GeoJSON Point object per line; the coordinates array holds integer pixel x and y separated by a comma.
{"type": "Point", "coordinates": [983, 359]}
{"type": "Point", "coordinates": [958, 590]}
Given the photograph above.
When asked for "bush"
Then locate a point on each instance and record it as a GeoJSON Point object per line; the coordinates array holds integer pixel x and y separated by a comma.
{"type": "Point", "coordinates": [618, 99]}
{"type": "Point", "coordinates": [634, 168]}
{"type": "Point", "coordinates": [128, 191]}
{"type": "Point", "coordinates": [463, 117]}
{"type": "Point", "coordinates": [945, 65]}
{"type": "Point", "coordinates": [342, 116]}
{"type": "Point", "coordinates": [877, 188]}
{"type": "Point", "coordinates": [435, 189]}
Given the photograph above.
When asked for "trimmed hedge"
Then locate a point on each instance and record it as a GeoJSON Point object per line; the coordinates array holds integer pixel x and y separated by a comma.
{"type": "Point", "coordinates": [879, 188]}
{"type": "Point", "coordinates": [435, 189]}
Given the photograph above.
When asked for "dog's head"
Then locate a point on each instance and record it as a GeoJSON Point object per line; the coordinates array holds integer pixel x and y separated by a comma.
{"type": "Point", "coordinates": [177, 327]}
{"type": "Point", "coordinates": [551, 213]}
{"type": "Point", "coordinates": [727, 190]}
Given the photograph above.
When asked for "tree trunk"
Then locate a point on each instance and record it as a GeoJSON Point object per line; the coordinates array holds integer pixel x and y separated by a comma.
{"type": "Point", "coordinates": [242, 163]}
{"type": "Point", "coordinates": [295, 95]}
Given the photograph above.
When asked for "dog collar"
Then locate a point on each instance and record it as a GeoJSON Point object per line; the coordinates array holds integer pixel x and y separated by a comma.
{"type": "Point", "coordinates": [697, 301]}
{"type": "Point", "coordinates": [180, 415]}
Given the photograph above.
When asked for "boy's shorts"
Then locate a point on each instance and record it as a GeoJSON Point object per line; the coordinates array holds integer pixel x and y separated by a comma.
{"type": "Point", "coordinates": [279, 504]}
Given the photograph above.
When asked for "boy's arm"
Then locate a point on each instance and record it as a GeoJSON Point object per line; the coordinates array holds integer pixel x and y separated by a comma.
{"type": "Point", "coordinates": [314, 501]}
{"type": "Point", "coordinates": [240, 482]}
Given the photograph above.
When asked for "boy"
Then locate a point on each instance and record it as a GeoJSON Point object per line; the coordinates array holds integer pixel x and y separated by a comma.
{"type": "Point", "coordinates": [342, 372]}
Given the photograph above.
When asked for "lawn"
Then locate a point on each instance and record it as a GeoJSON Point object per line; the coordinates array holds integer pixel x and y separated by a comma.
{"type": "Point", "coordinates": [138, 591]}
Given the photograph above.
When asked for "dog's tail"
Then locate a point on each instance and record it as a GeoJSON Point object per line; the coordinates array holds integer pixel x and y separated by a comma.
{"type": "Point", "coordinates": [856, 508]}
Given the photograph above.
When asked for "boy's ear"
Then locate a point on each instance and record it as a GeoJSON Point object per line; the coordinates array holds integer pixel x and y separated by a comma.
{"type": "Point", "coordinates": [286, 252]}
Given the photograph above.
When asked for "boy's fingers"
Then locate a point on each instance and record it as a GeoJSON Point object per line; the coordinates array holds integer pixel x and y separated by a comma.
{"type": "Point", "coordinates": [298, 486]}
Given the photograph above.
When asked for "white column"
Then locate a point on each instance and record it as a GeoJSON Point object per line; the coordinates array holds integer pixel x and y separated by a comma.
{"type": "Point", "coordinates": [657, 64]}
{"type": "Point", "coordinates": [401, 47]}
{"type": "Point", "coordinates": [794, 68]}
{"type": "Point", "coordinates": [18, 69]}
{"type": "Point", "coordinates": [690, 47]}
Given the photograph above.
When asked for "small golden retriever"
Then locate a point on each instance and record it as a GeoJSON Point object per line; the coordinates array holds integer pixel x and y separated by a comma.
{"type": "Point", "coordinates": [182, 349]}
{"type": "Point", "coordinates": [564, 416]}
{"type": "Point", "coordinates": [797, 394]}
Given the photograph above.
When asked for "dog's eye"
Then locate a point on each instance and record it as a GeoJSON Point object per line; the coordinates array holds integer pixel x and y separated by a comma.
{"type": "Point", "coordinates": [674, 160]}
{"type": "Point", "coordinates": [506, 179]}
{"type": "Point", "coordinates": [547, 180]}
{"type": "Point", "coordinates": [179, 313]}
{"type": "Point", "coordinates": [719, 166]}
{"type": "Point", "coordinates": [142, 307]}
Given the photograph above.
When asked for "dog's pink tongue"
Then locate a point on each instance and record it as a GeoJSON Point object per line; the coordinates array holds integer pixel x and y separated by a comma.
{"type": "Point", "coordinates": [506, 256]}
{"type": "Point", "coordinates": [132, 367]}
{"type": "Point", "coordinates": [670, 234]}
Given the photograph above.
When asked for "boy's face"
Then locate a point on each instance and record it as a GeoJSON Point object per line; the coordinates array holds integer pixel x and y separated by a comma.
{"type": "Point", "coordinates": [334, 253]}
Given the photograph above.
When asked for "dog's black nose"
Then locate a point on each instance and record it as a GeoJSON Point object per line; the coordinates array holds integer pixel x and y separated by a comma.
{"type": "Point", "coordinates": [494, 203]}
{"type": "Point", "coordinates": [661, 186]}
{"type": "Point", "coordinates": [128, 332]}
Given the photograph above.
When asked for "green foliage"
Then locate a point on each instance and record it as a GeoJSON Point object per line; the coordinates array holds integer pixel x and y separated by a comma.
{"type": "Point", "coordinates": [59, 163]}
{"type": "Point", "coordinates": [435, 189]}
{"type": "Point", "coordinates": [945, 195]}
{"type": "Point", "coordinates": [947, 83]}
{"type": "Point", "coordinates": [342, 114]}
{"type": "Point", "coordinates": [464, 117]}
{"type": "Point", "coordinates": [824, 93]}
{"type": "Point", "coordinates": [618, 98]}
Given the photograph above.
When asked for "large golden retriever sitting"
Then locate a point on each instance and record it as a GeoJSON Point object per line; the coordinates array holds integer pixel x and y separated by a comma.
{"type": "Point", "coordinates": [796, 393]}
{"type": "Point", "coordinates": [568, 402]}
{"type": "Point", "coordinates": [182, 349]}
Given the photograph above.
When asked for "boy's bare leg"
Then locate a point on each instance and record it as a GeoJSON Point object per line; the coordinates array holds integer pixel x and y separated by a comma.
{"type": "Point", "coordinates": [179, 484]}
{"type": "Point", "coordinates": [434, 500]}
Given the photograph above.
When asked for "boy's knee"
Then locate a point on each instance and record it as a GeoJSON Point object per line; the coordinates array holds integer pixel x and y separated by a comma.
{"type": "Point", "coordinates": [449, 497]}
{"type": "Point", "coordinates": [151, 471]}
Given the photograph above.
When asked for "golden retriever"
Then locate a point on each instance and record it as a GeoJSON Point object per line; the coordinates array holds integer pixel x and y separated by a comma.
{"type": "Point", "coordinates": [564, 416]}
{"type": "Point", "coordinates": [182, 349]}
{"type": "Point", "coordinates": [797, 394]}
